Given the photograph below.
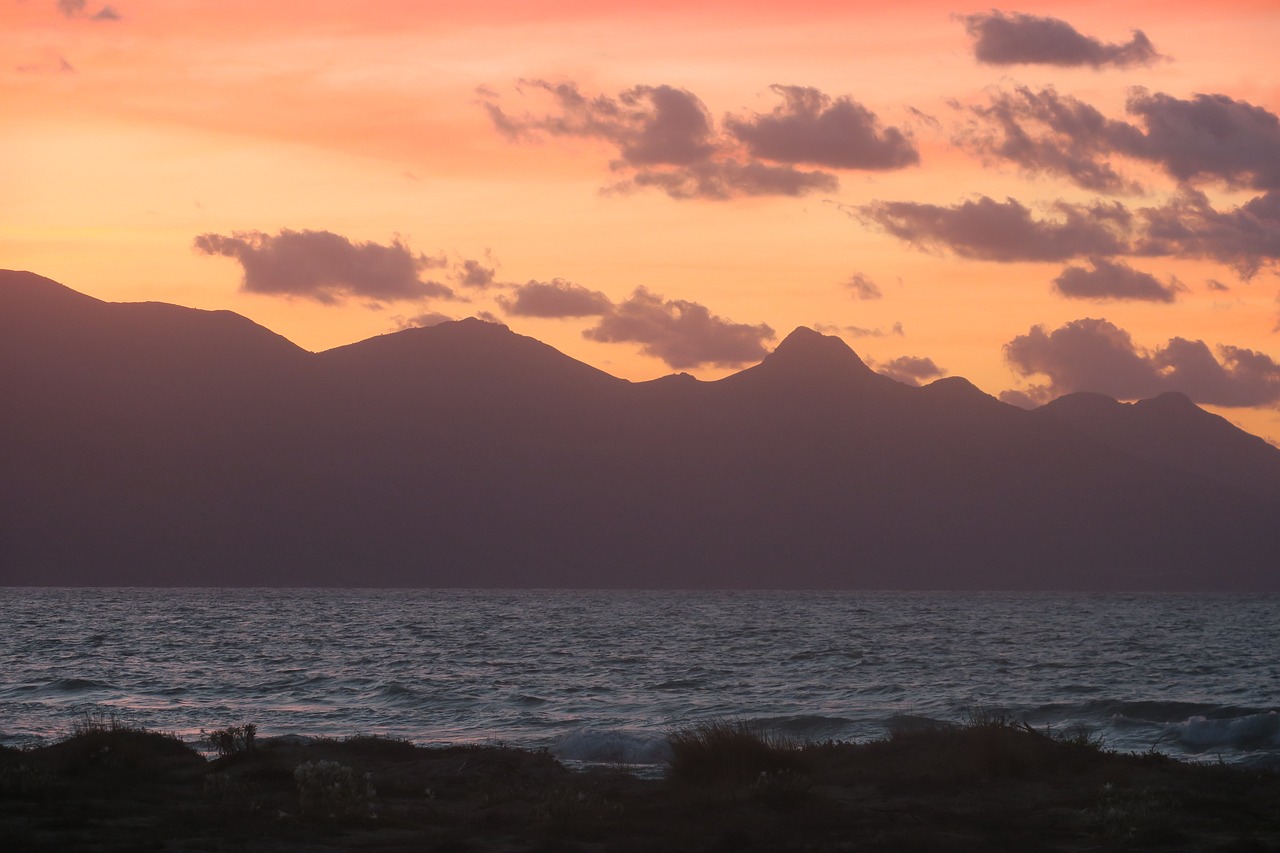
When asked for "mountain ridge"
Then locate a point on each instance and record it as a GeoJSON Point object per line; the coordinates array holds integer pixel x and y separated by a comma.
{"type": "Point", "coordinates": [467, 455]}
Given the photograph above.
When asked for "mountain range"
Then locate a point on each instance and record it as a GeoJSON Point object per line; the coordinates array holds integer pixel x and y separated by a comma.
{"type": "Point", "coordinates": [154, 445]}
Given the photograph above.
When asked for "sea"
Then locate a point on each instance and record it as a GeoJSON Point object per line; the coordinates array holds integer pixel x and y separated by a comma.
{"type": "Point", "coordinates": [604, 676]}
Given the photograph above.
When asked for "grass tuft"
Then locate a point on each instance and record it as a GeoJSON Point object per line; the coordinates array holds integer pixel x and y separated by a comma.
{"type": "Point", "coordinates": [726, 751]}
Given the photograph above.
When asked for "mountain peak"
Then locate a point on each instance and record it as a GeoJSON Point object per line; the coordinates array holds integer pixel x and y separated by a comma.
{"type": "Point", "coordinates": [805, 348]}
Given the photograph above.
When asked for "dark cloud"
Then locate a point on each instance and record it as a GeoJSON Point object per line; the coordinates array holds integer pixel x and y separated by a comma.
{"type": "Point", "coordinates": [809, 127]}
{"type": "Point", "coordinates": [863, 287]}
{"type": "Point", "coordinates": [682, 334]}
{"type": "Point", "coordinates": [1207, 137]}
{"type": "Point", "coordinates": [722, 180]}
{"type": "Point", "coordinates": [106, 13]}
{"type": "Point", "coordinates": [472, 273]}
{"type": "Point", "coordinates": [666, 139]}
{"type": "Point", "coordinates": [1245, 238]}
{"type": "Point", "coordinates": [1015, 38]}
{"type": "Point", "coordinates": [1113, 280]}
{"type": "Point", "coordinates": [1058, 134]}
{"type": "Point", "coordinates": [1096, 355]}
{"type": "Point", "coordinates": [1217, 286]}
{"type": "Point", "coordinates": [324, 266]}
{"type": "Point", "coordinates": [420, 321]}
{"type": "Point", "coordinates": [650, 125]}
{"type": "Point", "coordinates": [1004, 231]}
{"type": "Point", "coordinates": [910, 369]}
{"type": "Point", "coordinates": [555, 298]}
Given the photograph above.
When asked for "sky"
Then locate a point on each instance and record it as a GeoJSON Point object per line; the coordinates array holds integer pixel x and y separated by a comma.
{"type": "Point", "coordinates": [1042, 198]}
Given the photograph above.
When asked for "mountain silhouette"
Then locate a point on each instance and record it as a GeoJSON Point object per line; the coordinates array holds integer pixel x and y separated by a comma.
{"type": "Point", "coordinates": [148, 444]}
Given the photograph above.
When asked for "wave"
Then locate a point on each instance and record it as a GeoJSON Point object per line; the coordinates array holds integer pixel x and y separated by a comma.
{"type": "Point", "coordinates": [76, 685]}
{"type": "Point", "coordinates": [612, 746]}
{"type": "Point", "coordinates": [805, 727]}
{"type": "Point", "coordinates": [1248, 732]}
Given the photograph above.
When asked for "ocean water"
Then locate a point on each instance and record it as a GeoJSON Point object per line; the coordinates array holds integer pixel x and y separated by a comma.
{"type": "Point", "coordinates": [602, 675]}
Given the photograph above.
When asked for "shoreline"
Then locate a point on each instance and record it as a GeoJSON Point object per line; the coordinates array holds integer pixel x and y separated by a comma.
{"type": "Point", "coordinates": [992, 784]}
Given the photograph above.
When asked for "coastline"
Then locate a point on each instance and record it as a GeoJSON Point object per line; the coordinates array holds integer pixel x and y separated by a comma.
{"type": "Point", "coordinates": [992, 784]}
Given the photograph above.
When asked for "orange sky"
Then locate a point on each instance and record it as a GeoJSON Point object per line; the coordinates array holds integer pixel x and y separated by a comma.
{"type": "Point", "coordinates": [126, 135]}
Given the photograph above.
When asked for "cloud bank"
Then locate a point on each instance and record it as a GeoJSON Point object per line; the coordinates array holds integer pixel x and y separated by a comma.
{"type": "Point", "coordinates": [666, 139]}
{"type": "Point", "coordinates": [1197, 139]}
{"type": "Point", "coordinates": [1246, 238]}
{"type": "Point", "coordinates": [1096, 355]}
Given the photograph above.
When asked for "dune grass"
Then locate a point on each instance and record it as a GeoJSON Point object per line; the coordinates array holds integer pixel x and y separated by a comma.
{"type": "Point", "coordinates": [729, 751]}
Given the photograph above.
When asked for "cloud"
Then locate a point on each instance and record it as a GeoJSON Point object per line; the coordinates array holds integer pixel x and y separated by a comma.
{"type": "Point", "coordinates": [863, 287]}
{"type": "Point", "coordinates": [683, 334]}
{"type": "Point", "coordinates": [1096, 355]}
{"type": "Point", "coordinates": [1207, 137]}
{"type": "Point", "coordinates": [1017, 38]}
{"type": "Point", "coordinates": [859, 331]}
{"type": "Point", "coordinates": [1056, 134]}
{"type": "Point", "coordinates": [722, 180]}
{"type": "Point", "coordinates": [1245, 238]}
{"type": "Point", "coordinates": [555, 298]}
{"type": "Point", "coordinates": [809, 127]}
{"type": "Point", "coordinates": [1004, 231]}
{"type": "Point", "coordinates": [420, 321]}
{"type": "Point", "coordinates": [910, 369]}
{"type": "Point", "coordinates": [1108, 280]}
{"type": "Point", "coordinates": [76, 9]}
{"type": "Point", "coordinates": [666, 139]}
{"type": "Point", "coordinates": [650, 125]}
{"type": "Point", "coordinates": [472, 273]}
{"type": "Point", "coordinates": [1021, 399]}
{"type": "Point", "coordinates": [1217, 286]}
{"type": "Point", "coordinates": [324, 266]}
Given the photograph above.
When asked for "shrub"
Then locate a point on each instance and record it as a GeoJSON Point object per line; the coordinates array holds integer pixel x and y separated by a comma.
{"type": "Point", "coordinates": [232, 740]}
{"type": "Point", "coordinates": [333, 790]}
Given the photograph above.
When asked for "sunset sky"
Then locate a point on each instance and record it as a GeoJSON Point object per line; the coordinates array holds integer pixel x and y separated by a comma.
{"type": "Point", "coordinates": [1046, 197]}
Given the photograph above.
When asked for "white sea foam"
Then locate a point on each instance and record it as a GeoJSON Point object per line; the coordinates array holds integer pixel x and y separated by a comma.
{"type": "Point", "coordinates": [1251, 732]}
{"type": "Point", "coordinates": [612, 746]}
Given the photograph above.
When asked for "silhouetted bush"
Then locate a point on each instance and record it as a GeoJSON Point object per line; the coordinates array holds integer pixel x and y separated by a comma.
{"type": "Point", "coordinates": [723, 751]}
{"type": "Point", "coordinates": [232, 740]}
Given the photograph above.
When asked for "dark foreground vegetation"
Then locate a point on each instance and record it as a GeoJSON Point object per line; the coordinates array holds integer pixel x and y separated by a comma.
{"type": "Point", "coordinates": [988, 785]}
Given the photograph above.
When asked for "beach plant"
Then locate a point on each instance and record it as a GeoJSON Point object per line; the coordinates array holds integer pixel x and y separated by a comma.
{"type": "Point", "coordinates": [232, 740]}
{"type": "Point", "coordinates": [95, 721]}
{"type": "Point", "coordinates": [327, 789]}
{"type": "Point", "coordinates": [728, 751]}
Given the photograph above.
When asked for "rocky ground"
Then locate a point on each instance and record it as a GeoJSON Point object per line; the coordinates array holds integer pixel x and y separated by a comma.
{"type": "Point", "coordinates": [985, 786]}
